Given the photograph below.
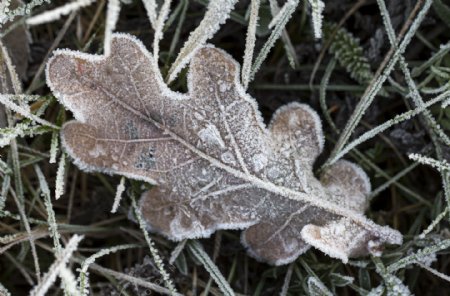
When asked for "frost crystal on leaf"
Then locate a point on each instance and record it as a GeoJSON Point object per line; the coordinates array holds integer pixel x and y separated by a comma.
{"type": "Point", "coordinates": [217, 166]}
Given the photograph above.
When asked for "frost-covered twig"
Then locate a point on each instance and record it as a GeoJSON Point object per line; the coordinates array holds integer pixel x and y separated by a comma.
{"type": "Point", "coordinates": [277, 13]}
{"type": "Point", "coordinates": [418, 101]}
{"type": "Point", "coordinates": [288, 47]}
{"type": "Point", "coordinates": [54, 146]}
{"type": "Point", "coordinates": [217, 13]}
{"type": "Point", "coordinates": [435, 131]}
{"type": "Point", "coordinates": [159, 26]}
{"type": "Point", "coordinates": [7, 100]}
{"type": "Point", "coordinates": [177, 251]}
{"type": "Point", "coordinates": [70, 283]}
{"type": "Point", "coordinates": [21, 129]}
{"type": "Point", "coordinates": [150, 7]}
{"type": "Point", "coordinates": [52, 226]}
{"type": "Point", "coordinates": [153, 250]}
{"type": "Point", "coordinates": [418, 256]}
{"type": "Point", "coordinates": [60, 263]}
{"type": "Point", "coordinates": [55, 14]}
{"type": "Point", "coordinates": [112, 15]}
{"type": "Point", "coordinates": [435, 272]}
{"type": "Point", "coordinates": [134, 280]}
{"type": "Point", "coordinates": [375, 86]}
{"type": "Point", "coordinates": [60, 174]}
{"type": "Point", "coordinates": [317, 288]}
{"type": "Point", "coordinates": [384, 126]}
{"type": "Point", "coordinates": [4, 190]}
{"type": "Point", "coordinates": [200, 254]}
{"type": "Point", "coordinates": [434, 223]}
{"type": "Point", "coordinates": [446, 103]}
{"type": "Point", "coordinates": [19, 199]}
{"type": "Point", "coordinates": [317, 8]}
{"type": "Point", "coordinates": [250, 42]}
{"type": "Point", "coordinates": [287, 12]}
{"type": "Point", "coordinates": [442, 165]}
{"type": "Point", "coordinates": [119, 191]}
{"type": "Point", "coordinates": [84, 276]}
{"type": "Point", "coordinates": [394, 286]}
{"type": "Point", "coordinates": [4, 169]}
{"type": "Point", "coordinates": [14, 77]}
{"type": "Point", "coordinates": [443, 50]}
{"type": "Point", "coordinates": [15, 239]}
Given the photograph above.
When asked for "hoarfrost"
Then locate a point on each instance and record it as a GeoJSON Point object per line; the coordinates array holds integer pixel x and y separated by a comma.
{"type": "Point", "coordinates": [211, 135]}
{"type": "Point", "coordinates": [217, 164]}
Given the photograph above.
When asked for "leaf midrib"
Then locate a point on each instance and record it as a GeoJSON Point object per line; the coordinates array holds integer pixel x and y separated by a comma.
{"type": "Point", "coordinates": [257, 182]}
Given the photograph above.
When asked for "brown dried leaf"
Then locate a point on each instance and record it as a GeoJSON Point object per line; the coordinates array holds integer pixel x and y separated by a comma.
{"type": "Point", "coordinates": [215, 163]}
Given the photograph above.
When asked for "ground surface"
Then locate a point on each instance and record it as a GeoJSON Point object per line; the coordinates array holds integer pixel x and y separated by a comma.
{"type": "Point", "coordinates": [409, 205]}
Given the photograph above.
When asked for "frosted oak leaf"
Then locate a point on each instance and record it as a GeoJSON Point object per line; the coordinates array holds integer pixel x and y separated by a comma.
{"type": "Point", "coordinates": [216, 164]}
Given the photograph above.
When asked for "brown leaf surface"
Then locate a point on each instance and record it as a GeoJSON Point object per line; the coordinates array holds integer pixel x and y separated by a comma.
{"type": "Point", "coordinates": [215, 163]}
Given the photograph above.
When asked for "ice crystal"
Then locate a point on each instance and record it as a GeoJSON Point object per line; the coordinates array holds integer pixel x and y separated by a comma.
{"type": "Point", "coordinates": [216, 163]}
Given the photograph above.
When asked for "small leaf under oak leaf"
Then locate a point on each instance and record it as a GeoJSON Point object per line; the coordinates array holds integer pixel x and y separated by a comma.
{"type": "Point", "coordinates": [216, 165]}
